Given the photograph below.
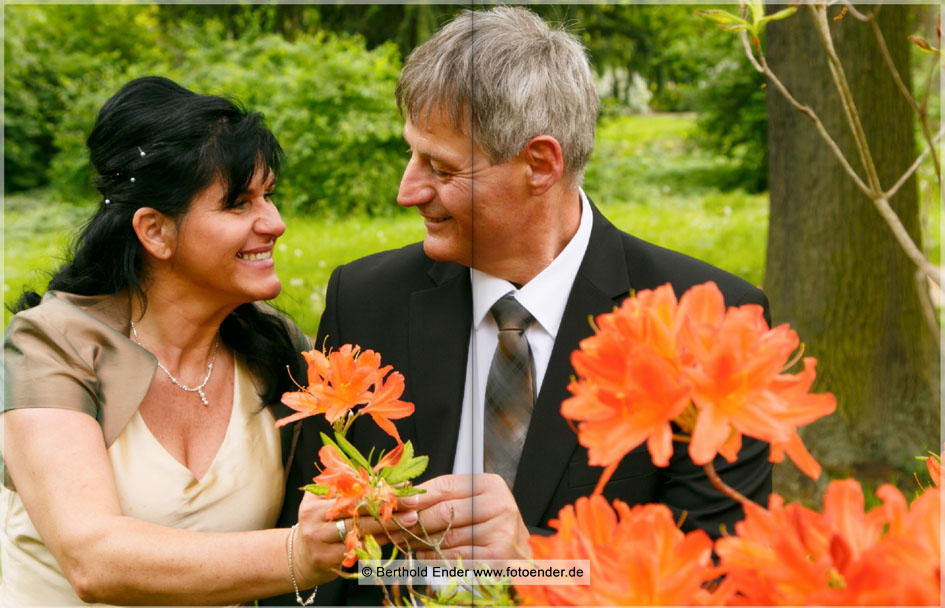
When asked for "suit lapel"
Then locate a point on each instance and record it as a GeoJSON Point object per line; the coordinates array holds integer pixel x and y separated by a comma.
{"type": "Point", "coordinates": [601, 282]}
{"type": "Point", "coordinates": [440, 318]}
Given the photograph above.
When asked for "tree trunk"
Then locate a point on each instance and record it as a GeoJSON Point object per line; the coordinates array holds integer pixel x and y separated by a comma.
{"type": "Point", "coordinates": [834, 270]}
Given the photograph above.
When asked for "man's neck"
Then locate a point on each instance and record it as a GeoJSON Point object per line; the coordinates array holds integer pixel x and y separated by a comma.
{"type": "Point", "coordinates": [550, 235]}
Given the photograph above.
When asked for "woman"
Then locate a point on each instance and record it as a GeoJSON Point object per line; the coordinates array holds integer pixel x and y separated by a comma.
{"type": "Point", "coordinates": [141, 465]}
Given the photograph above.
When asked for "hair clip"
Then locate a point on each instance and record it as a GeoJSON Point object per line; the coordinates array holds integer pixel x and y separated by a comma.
{"type": "Point", "coordinates": [141, 152]}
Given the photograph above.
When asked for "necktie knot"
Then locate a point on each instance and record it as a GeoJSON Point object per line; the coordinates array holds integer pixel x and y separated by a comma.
{"type": "Point", "coordinates": [509, 314]}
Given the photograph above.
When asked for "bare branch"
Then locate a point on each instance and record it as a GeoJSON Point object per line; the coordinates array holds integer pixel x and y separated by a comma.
{"type": "Point", "coordinates": [918, 162]}
{"type": "Point", "coordinates": [857, 14]}
{"type": "Point", "coordinates": [928, 308]}
{"type": "Point", "coordinates": [905, 241]}
{"type": "Point", "coordinates": [751, 56]}
{"type": "Point", "coordinates": [819, 14]}
{"type": "Point", "coordinates": [820, 128]}
{"type": "Point", "coordinates": [923, 116]}
{"type": "Point", "coordinates": [874, 191]}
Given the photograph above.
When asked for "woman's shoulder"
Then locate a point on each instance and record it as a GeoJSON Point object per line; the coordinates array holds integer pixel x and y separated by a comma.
{"type": "Point", "coordinates": [68, 313]}
{"type": "Point", "coordinates": [69, 352]}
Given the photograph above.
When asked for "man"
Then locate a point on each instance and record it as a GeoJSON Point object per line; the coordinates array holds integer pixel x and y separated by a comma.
{"type": "Point", "coordinates": [500, 113]}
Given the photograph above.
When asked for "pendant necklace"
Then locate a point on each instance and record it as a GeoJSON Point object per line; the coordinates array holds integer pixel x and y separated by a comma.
{"type": "Point", "coordinates": [189, 389]}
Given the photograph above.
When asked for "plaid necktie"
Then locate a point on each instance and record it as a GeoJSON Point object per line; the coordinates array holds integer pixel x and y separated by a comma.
{"type": "Point", "coordinates": [510, 391]}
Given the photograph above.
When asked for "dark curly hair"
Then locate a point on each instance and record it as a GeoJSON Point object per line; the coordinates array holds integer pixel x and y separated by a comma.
{"type": "Point", "coordinates": [157, 144]}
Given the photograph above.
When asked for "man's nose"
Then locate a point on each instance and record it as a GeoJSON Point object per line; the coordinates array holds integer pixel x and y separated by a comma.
{"type": "Point", "coordinates": [415, 188]}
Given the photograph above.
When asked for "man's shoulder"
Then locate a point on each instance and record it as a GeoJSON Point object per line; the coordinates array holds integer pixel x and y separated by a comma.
{"type": "Point", "coordinates": [392, 272]}
{"type": "Point", "coordinates": [405, 260]}
{"type": "Point", "coordinates": [650, 266]}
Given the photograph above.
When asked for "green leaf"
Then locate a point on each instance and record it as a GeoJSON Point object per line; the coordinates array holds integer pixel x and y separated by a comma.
{"type": "Point", "coordinates": [371, 548]}
{"type": "Point", "coordinates": [757, 11]}
{"type": "Point", "coordinates": [328, 442]}
{"type": "Point", "coordinates": [782, 14]}
{"type": "Point", "coordinates": [405, 457]}
{"type": "Point", "coordinates": [923, 45]}
{"type": "Point", "coordinates": [408, 491]}
{"type": "Point", "coordinates": [352, 451]}
{"type": "Point", "coordinates": [316, 489]}
{"type": "Point", "coordinates": [720, 16]}
{"type": "Point", "coordinates": [735, 27]}
{"type": "Point", "coordinates": [408, 469]}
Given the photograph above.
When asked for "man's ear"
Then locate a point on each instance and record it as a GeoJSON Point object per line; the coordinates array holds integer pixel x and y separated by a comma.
{"type": "Point", "coordinates": [156, 232]}
{"type": "Point", "coordinates": [546, 163]}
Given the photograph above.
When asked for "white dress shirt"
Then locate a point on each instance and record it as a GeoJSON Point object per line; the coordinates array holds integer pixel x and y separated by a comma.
{"type": "Point", "coordinates": [545, 297]}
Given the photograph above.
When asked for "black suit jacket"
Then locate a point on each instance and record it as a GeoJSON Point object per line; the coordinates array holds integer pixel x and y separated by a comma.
{"type": "Point", "coordinates": [417, 313]}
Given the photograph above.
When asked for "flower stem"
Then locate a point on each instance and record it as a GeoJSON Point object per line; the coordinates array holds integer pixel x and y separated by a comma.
{"type": "Point", "coordinates": [604, 478]}
{"type": "Point", "coordinates": [723, 487]}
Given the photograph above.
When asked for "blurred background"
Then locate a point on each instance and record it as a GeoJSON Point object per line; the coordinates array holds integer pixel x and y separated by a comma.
{"type": "Point", "coordinates": [695, 151]}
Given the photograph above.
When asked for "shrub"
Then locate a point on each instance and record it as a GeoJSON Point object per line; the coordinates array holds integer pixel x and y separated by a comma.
{"type": "Point", "coordinates": [328, 99]}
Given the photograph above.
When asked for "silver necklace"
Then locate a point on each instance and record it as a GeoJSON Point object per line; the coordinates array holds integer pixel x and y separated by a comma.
{"type": "Point", "coordinates": [195, 389]}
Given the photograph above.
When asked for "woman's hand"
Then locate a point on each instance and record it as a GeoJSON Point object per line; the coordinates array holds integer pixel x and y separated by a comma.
{"type": "Point", "coordinates": [319, 547]}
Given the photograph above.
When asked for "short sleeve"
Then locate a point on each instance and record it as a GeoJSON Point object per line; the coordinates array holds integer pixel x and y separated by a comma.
{"type": "Point", "coordinates": [42, 368]}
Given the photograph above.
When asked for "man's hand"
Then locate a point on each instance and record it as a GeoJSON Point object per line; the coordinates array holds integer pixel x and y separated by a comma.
{"type": "Point", "coordinates": [486, 523]}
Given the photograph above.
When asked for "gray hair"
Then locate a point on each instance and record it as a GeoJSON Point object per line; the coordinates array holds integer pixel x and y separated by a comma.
{"type": "Point", "coordinates": [504, 76]}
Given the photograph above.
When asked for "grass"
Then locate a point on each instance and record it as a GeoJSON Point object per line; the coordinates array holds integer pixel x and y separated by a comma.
{"type": "Point", "coordinates": [645, 176]}
{"type": "Point", "coordinates": [651, 181]}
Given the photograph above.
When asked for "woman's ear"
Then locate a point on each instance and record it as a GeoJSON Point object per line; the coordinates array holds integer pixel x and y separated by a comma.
{"type": "Point", "coordinates": [156, 232]}
{"type": "Point", "coordinates": [546, 162]}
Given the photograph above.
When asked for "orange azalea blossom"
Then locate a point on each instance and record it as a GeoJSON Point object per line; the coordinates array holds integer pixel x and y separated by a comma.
{"type": "Point", "coordinates": [386, 405]}
{"type": "Point", "coordinates": [343, 380]}
{"type": "Point", "coordinates": [794, 556]}
{"type": "Point", "coordinates": [348, 487]}
{"type": "Point", "coordinates": [630, 386]}
{"type": "Point", "coordinates": [734, 363]}
{"type": "Point", "coordinates": [637, 557]}
{"type": "Point", "coordinates": [351, 488]}
{"type": "Point", "coordinates": [352, 544]}
{"type": "Point", "coordinates": [652, 357]}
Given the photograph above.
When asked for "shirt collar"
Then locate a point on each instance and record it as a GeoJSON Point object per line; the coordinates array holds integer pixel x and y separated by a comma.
{"type": "Point", "coordinates": [546, 295]}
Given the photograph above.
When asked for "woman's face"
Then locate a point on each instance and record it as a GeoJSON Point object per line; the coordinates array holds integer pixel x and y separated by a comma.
{"type": "Point", "coordinates": [225, 252]}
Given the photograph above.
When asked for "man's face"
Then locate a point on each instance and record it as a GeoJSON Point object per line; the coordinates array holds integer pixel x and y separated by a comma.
{"type": "Point", "coordinates": [476, 213]}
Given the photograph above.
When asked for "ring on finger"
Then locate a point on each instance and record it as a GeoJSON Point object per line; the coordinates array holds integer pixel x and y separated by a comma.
{"type": "Point", "coordinates": [342, 529]}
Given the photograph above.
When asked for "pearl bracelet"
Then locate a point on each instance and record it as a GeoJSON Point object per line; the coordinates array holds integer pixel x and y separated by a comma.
{"type": "Point", "coordinates": [295, 585]}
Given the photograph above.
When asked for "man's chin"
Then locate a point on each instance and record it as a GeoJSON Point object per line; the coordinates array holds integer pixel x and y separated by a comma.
{"type": "Point", "coordinates": [436, 249]}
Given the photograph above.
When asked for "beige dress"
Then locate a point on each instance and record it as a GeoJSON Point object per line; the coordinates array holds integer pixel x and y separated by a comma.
{"type": "Point", "coordinates": [242, 489]}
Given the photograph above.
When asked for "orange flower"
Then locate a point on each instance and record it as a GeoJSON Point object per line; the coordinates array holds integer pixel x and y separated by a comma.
{"type": "Point", "coordinates": [352, 544]}
{"type": "Point", "coordinates": [348, 487]}
{"type": "Point", "coordinates": [390, 459]}
{"type": "Point", "coordinates": [794, 556]}
{"type": "Point", "coordinates": [353, 488]}
{"type": "Point", "coordinates": [343, 380]}
{"type": "Point", "coordinates": [385, 404]}
{"type": "Point", "coordinates": [629, 384]}
{"type": "Point", "coordinates": [651, 357]}
{"type": "Point", "coordinates": [336, 383]}
{"type": "Point", "coordinates": [637, 557]}
{"type": "Point", "coordinates": [734, 364]}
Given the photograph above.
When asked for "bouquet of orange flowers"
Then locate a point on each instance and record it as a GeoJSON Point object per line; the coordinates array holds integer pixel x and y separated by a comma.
{"type": "Point", "coordinates": [344, 385]}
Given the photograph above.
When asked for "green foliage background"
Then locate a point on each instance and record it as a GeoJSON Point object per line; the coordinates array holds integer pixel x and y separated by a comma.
{"type": "Point", "coordinates": [323, 75]}
{"type": "Point", "coordinates": [326, 96]}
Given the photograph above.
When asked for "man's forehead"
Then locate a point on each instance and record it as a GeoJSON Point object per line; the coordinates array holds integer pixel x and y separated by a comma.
{"type": "Point", "coordinates": [436, 116]}
{"type": "Point", "coordinates": [432, 129]}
